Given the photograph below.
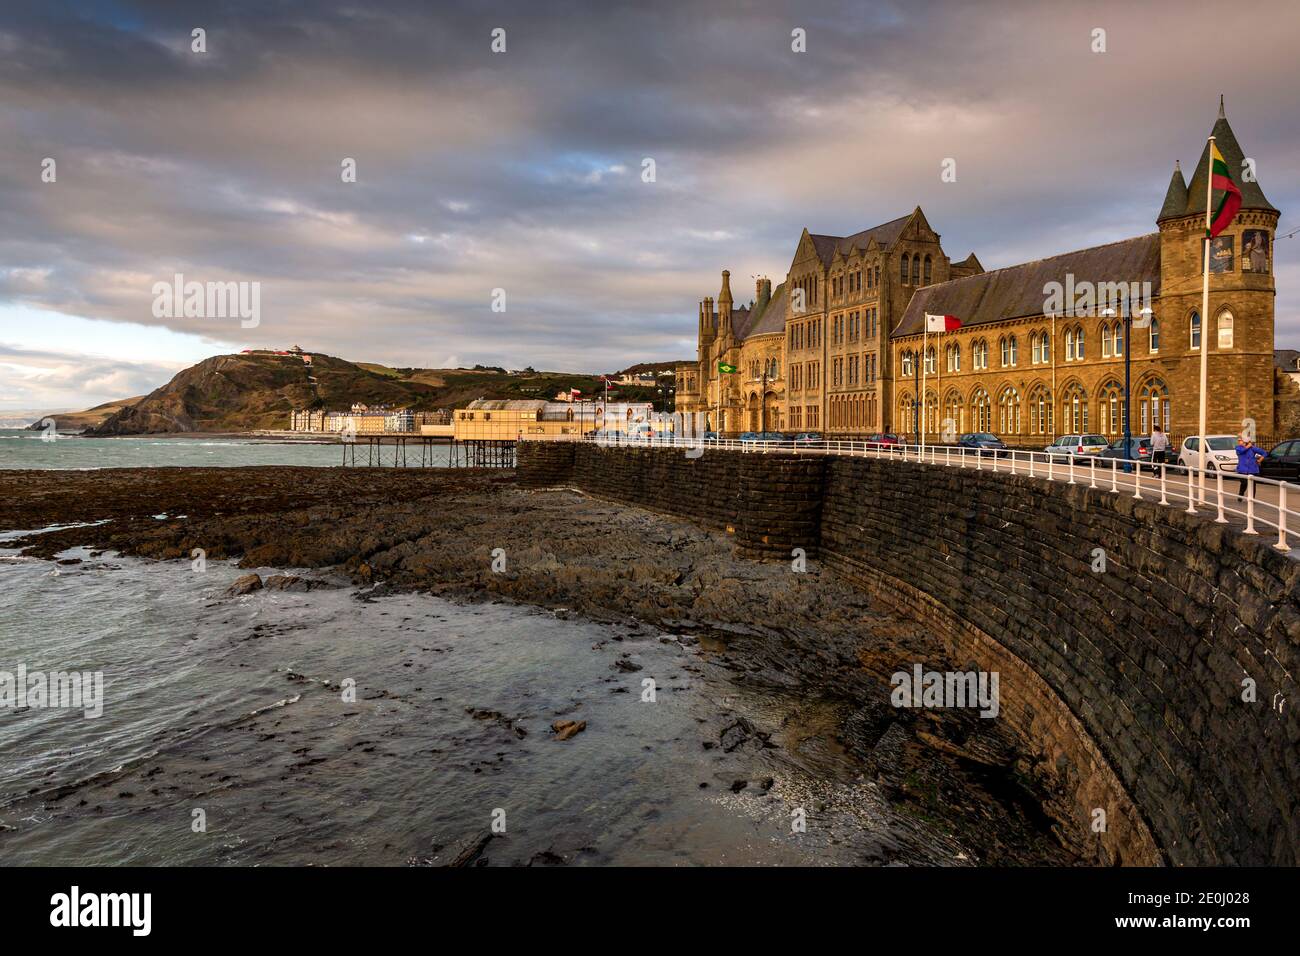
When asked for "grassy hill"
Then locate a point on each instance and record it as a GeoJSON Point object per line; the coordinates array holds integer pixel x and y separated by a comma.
{"type": "Point", "coordinates": [250, 391]}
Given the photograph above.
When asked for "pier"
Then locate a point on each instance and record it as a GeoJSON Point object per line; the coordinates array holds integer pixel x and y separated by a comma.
{"type": "Point", "coordinates": [461, 453]}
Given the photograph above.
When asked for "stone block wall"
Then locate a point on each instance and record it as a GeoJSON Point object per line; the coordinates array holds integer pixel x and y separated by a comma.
{"type": "Point", "coordinates": [1132, 676]}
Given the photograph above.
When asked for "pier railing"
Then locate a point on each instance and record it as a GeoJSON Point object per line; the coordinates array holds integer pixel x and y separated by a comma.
{"type": "Point", "coordinates": [1266, 505]}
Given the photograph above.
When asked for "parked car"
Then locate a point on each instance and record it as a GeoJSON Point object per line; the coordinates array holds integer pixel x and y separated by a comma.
{"type": "Point", "coordinates": [984, 442]}
{"type": "Point", "coordinates": [1076, 446]}
{"type": "Point", "coordinates": [1220, 456]}
{"type": "Point", "coordinates": [750, 436]}
{"type": "Point", "coordinates": [1283, 462]}
{"type": "Point", "coordinates": [1139, 451]}
{"type": "Point", "coordinates": [804, 438]}
{"type": "Point", "coordinates": [777, 437]}
{"type": "Point", "coordinates": [884, 438]}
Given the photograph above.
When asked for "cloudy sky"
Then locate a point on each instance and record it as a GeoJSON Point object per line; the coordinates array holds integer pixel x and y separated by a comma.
{"type": "Point", "coordinates": [522, 170]}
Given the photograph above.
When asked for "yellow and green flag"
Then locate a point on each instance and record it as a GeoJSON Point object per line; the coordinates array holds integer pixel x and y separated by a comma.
{"type": "Point", "coordinates": [1221, 179]}
{"type": "Point", "coordinates": [725, 369]}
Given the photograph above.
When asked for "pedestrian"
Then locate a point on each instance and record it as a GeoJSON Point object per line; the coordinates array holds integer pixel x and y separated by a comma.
{"type": "Point", "coordinates": [1159, 444]}
{"type": "Point", "coordinates": [1248, 459]}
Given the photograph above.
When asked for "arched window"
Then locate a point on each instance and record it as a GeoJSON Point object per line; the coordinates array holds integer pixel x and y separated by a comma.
{"type": "Point", "coordinates": [1013, 349]}
{"type": "Point", "coordinates": [931, 411]}
{"type": "Point", "coordinates": [1009, 411]}
{"type": "Point", "coordinates": [916, 270]}
{"type": "Point", "coordinates": [907, 364]}
{"type": "Point", "coordinates": [1117, 348]}
{"type": "Point", "coordinates": [1069, 345]}
{"type": "Point", "coordinates": [954, 358]}
{"type": "Point", "coordinates": [1074, 410]}
{"type": "Point", "coordinates": [1006, 355]}
{"type": "Point", "coordinates": [1040, 411]}
{"type": "Point", "coordinates": [877, 275]}
{"type": "Point", "coordinates": [907, 413]}
{"type": "Point", "coordinates": [1153, 405]}
{"type": "Point", "coordinates": [979, 358]}
{"type": "Point", "coordinates": [930, 361]}
{"type": "Point", "coordinates": [1153, 340]}
{"type": "Point", "coordinates": [927, 270]}
{"type": "Point", "coordinates": [1105, 340]}
{"type": "Point", "coordinates": [1225, 330]}
{"type": "Point", "coordinates": [902, 269]}
{"type": "Point", "coordinates": [951, 423]}
{"type": "Point", "coordinates": [981, 411]}
{"type": "Point", "coordinates": [1194, 333]}
{"type": "Point", "coordinates": [1035, 348]}
{"type": "Point", "coordinates": [1078, 343]}
{"type": "Point", "coordinates": [1110, 408]}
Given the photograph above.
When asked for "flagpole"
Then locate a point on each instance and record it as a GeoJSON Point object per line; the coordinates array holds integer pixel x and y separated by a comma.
{"type": "Point", "coordinates": [1205, 312]}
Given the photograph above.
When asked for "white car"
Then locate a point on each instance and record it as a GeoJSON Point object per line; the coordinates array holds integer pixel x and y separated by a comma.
{"type": "Point", "coordinates": [1076, 446]}
{"type": "Point", "coordinates": [1221, 455]}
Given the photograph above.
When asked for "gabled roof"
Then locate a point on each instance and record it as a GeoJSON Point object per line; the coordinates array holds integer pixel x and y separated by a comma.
{"type": "Point", "coordinates": [766, 321]}
{"type": "Point", "coordinates": [1018, 291]}
{"type": "Point", "coordinates": [885, 235]}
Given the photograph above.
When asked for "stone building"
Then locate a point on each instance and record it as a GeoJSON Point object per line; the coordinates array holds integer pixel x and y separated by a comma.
{"type": "Point", "coordinates": [1029, 363]}
{"type": "Point", "coordinates": [812, 355]}
{"type": "Point", "coordinates": [836, 347]}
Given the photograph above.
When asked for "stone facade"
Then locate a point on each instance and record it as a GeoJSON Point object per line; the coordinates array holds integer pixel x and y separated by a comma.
{"type": "Point", "coordinates": [837, 348]}
{"type": "Point", "coordinates": [1131, 681]}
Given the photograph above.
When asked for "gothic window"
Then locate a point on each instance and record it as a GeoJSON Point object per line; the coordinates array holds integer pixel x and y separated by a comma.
{"type": "Point", "coordinates": [1225, 330]}
{"type": "Point", "coordinates": [1074, 409]}
{"type": "Point", "coordinates": [1009, 411]}
{"type": "Point", "coordinates": [930, 361]}
{"type": "Point", "coordinates": [1040, 411]}
{"type": "Point", "coordinates": [981, 411]}
{"type": "Point", "coordinates": [1110, 406]}
{"type": "Point", "coordinates": [927, 270]}
{"type": "Point", "coordinates": [1194, 330]}
{"type": "Point", "coordinates": [1105, 340]}
{"type": "Point", "coordinates": [916, 270]}
{"type": "Point", "coordinates": [1069, 345]}
{"type": "Point", "coordinates": [1153, 405]}
{"type": "Point", "coordinates": [907, 363]}
{"type": "Point", "coordinates": [902, 269]}
{"type": "Point", "coordinates": [1153, 342]}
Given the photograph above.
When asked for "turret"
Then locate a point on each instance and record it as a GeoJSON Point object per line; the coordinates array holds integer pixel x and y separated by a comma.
{"type": "Point", "coordinates": [1175, 203]}
{"type": "Point", "coordinates": [724, 305]}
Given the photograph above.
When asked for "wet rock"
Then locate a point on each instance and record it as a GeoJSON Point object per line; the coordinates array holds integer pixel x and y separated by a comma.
{"type": "Point", "coordinates": [564, 729]}
{"type": "Point", "coordinates": [739, 785]}
{"type": "Point", "coordinates": [245, 584]}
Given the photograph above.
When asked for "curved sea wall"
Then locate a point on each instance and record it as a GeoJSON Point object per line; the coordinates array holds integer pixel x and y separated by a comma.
{"type": "Point", "coordinates": [1148, 656]}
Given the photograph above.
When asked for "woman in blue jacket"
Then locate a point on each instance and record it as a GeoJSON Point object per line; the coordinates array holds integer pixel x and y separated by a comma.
{"type": "Point", "coordinates": [1248, 459]}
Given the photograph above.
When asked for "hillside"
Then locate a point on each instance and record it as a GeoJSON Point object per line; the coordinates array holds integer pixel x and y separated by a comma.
{"type": "Point", "coordinates": [76, 421]}
{"type": "Point", "coordinates": [252, 391]}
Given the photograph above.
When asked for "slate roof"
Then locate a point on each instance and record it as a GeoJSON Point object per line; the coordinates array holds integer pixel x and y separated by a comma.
{"type": "Point", "coordinates": [884, 234]}
{"type": "Point", "coordinates": [1018, 291]}
{"type": "Point", "coordinates": [1285, 359]}
{"type": "Point", "coordinates": [769, 319]}
{"type": "Point", "coordinates": [503, 404]}
{"type": "Point", "coordinates": [1175, 203]}
{"type": "Point", "coordinates": [1252, 197]}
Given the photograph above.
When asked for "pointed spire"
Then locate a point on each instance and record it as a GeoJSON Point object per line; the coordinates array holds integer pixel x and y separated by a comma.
{"type": "Point", "coordinates": [1175, 204]}
{"type": "Point", "coordinates": [1252, 197]}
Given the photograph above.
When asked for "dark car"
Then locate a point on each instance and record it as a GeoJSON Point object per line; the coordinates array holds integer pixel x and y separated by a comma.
{"type": "Point", "coordinates": [1139, 451]}
{"type": "Point", "coordinates": [1283, 462]}
{"type": "Point", "coordinates": [772, 437]}
{"type": "Point", "coordinates": [985, 443]}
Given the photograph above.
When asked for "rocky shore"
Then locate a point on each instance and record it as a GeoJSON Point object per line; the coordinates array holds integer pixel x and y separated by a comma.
{"type": "Point", "coordinates": [475, 536]}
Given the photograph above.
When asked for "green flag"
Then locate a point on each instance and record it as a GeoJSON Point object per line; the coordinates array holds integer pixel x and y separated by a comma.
{"type": "Point", "coordinates": [725, 369]}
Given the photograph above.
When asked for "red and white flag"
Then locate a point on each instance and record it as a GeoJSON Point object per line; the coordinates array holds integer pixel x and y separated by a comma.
{"type": "Point", "coordinates": [941, 323]}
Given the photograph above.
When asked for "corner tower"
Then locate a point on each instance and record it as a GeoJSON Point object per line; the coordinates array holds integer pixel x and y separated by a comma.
{"type": "Point", "coordinates": [1239, 330]}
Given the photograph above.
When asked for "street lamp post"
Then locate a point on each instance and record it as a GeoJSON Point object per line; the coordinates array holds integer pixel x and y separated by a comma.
{"type": "Point", "coordinates": [1128, 366]}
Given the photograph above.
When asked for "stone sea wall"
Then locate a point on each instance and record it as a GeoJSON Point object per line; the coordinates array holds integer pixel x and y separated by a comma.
{"type": "Point", "coordinates": [1128, 681]}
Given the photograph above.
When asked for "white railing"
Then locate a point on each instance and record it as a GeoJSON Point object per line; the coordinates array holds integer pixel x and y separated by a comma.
{"type": "Point", "coordinates": [1266, 502]}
